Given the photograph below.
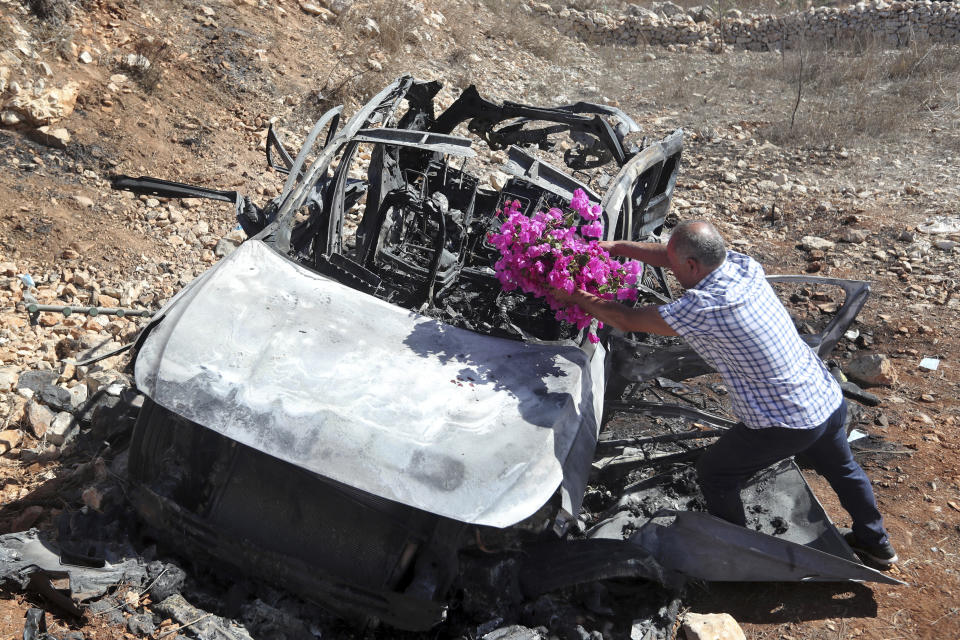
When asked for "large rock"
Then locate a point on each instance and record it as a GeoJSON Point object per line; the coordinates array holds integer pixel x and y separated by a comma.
{"type": "Point", "coordinates": [854, 236]}
{"type": "Point", "coordinates": [96, 380]}
{"type": "Point", "coordinates": [167, 579]}
{"type": "Point", "coordinates": [39, 418]}
{"type": "Point", "coordinates": [78, 395]}
{"type": "Point", "coordinates": [36, 380]}
{"type": "Point", "coordinates": [875, 369]}
{"type": "Point", "coordinates": [8, 378]}
{"type": "Point", "coordinates": [62, 429]}
{"type": "Point", "coordinates": [46, 135]}
{"type": "Point", "coordinates": [56, 397]}
{"type": "Point", "coordinates": [814, 243]}
{"type": "Point", "coordinates": [51, 105]}
{"type": "Point", "coordinates": [10, 439]}
{"type": "Point", "coordinates": [712, 626]}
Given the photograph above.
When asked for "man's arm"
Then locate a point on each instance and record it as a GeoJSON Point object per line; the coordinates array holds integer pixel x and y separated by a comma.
{"type": "Point", "coordinates": [652, 253]}
{"type": "Point", "coordinates": [646, 319]}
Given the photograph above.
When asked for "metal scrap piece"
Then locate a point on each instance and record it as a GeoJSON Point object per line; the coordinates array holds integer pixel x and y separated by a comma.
{"type": "Point", "coordinates": [28, 557]}
{"type": "Point", "coordinates": [791, 539]}
{"type": "Point", "coordinates": [437, 142]}
{"type": "Point", "coordinates": [699, 545]}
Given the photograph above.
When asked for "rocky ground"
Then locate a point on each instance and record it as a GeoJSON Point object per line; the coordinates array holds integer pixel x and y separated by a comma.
{"type": "Point", "coordinates": [858, 178]}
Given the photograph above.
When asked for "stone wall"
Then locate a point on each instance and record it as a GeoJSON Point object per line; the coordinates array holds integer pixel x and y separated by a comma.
{"type": "Point", "coordinates": [665, 23]}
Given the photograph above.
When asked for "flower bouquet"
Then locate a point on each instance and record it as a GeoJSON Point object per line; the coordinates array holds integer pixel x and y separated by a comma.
{"type": "Point", "coordinates": [560, 251]}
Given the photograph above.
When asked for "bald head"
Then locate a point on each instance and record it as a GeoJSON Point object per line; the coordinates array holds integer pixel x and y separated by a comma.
{"type": "Point", "coordinates": [698, 240]}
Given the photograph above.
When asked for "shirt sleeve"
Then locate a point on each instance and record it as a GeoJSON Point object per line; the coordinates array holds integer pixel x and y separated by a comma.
{"type": "Point", "coordinates": [680, 314]}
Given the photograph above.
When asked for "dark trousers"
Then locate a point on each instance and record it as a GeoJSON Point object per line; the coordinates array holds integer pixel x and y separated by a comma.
{"type": "Point", "coordinates": [726, 465]}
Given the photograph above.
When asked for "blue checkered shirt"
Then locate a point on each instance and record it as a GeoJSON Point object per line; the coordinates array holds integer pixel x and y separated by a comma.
{"type": "Point", "coordinates": [735, 321]}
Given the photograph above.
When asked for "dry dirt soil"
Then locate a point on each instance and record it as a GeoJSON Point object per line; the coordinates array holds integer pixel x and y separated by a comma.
{"type": "Point", "coordinates": [865, 152]}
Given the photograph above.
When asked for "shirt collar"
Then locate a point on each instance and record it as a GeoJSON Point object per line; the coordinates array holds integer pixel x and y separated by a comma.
{"type": "Point", "coordinates": [713, 275]}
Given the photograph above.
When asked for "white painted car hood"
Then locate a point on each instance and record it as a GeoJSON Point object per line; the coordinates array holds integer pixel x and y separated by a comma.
{"type": "Point", "coordinates": [290, 362]}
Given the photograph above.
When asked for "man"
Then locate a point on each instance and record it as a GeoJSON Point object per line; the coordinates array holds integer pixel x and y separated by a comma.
{"type": "Point", "coordinates": [786, 399]}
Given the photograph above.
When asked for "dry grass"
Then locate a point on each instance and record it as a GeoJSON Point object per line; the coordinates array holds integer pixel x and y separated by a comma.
{"type": "Point", "coordinates": [870, 91]}
{"type": "Point", "coordinates": [157, 52]}
{"type": "Point", "coordinates": [391, 33]}
{"type": "Point", "coordinates": [862, 91]}
{"type": "Point", "coordinates": [376, 33]}
{"type": "Point", "coordinates": [53, 11]}
{"type": "Point", "coordinates": [518, 26]}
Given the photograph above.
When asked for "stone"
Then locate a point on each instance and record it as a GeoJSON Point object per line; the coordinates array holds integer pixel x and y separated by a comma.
{"type": "Point", "coordinates": [101, 379]}
{"type": "Point", "coordinates": [78, 395]}
{"type": "Point", "coordinates": [39, 418]}
{"type": "Point", "coordinates": [85, 57]}
{"type": "Point", "coordinates": [57, 138]}
{"type": "Point", "coordinates": [370, 27]}
{"type": "Point", "coordinates": [338, 6]}
{"type": "Point", "coordinates": [10, 439]}
{"type": "Point", "coordinates": [136, 62]}
{"type": "Point", "coordinates": [498, 180]}
{"type": "Point", "coordinates": [50, 105]}
{"type": "Point", "coordinates": [83, 201]}
{"type": "Point", "coordinates": [62, 429]}
{"type": "Point", "coordinates": [141, 624]}
{"type": "Point", "coordinates": [166, 580]}
{"type": "Point", "coordinates": [56, 397]}
{"type": "Point", "coordinates": [8, 378]}
{"type": "Point", "coordinates": [854, 236]}
{"type": "Point", "coordinates": [512, 632]}
{"type": "Point", "coordinates": [35, 380]}
{"type": "Point", "coordinates": [17, 407]}
{"type": "Point", "coordinates": [729, 177]}
{"type": "Point", "coordinates": [874, 369]}
{"type": "Point", "coordinates": [9, 118]}
{"type": "Point", "coordinates": [712, 626]}
{"type": "Point", "coordinates": [180, 611]}
{"type": "Point", "coordinates": [811, 243]}
{"type": "Point", "coordinates": [945, 245]}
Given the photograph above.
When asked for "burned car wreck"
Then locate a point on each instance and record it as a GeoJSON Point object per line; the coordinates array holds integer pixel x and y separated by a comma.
{"type": "Point", "coordinates": [348, 405]}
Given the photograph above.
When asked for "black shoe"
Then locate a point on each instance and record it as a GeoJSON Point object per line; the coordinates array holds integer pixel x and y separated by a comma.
{"type": "Point", "coordinates": [881, 554]}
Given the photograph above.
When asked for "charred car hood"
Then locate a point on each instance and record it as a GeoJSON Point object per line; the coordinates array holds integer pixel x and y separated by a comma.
{"type": "Point", "coordinates": [468, 426]}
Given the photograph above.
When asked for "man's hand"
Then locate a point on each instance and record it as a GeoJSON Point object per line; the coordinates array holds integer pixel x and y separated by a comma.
{"type": "Point", "coordinates": [566, 298]}
{"type": "Point", "coordinates": [646, 319]}
{"type": "Point", "coordinates": [651, 253]}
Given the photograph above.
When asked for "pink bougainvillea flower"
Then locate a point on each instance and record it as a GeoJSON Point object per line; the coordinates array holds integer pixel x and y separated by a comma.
{"type": "Point", "coordinates": [592, 230]}
{"type": "Point", "coordinates": [549, 249]}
